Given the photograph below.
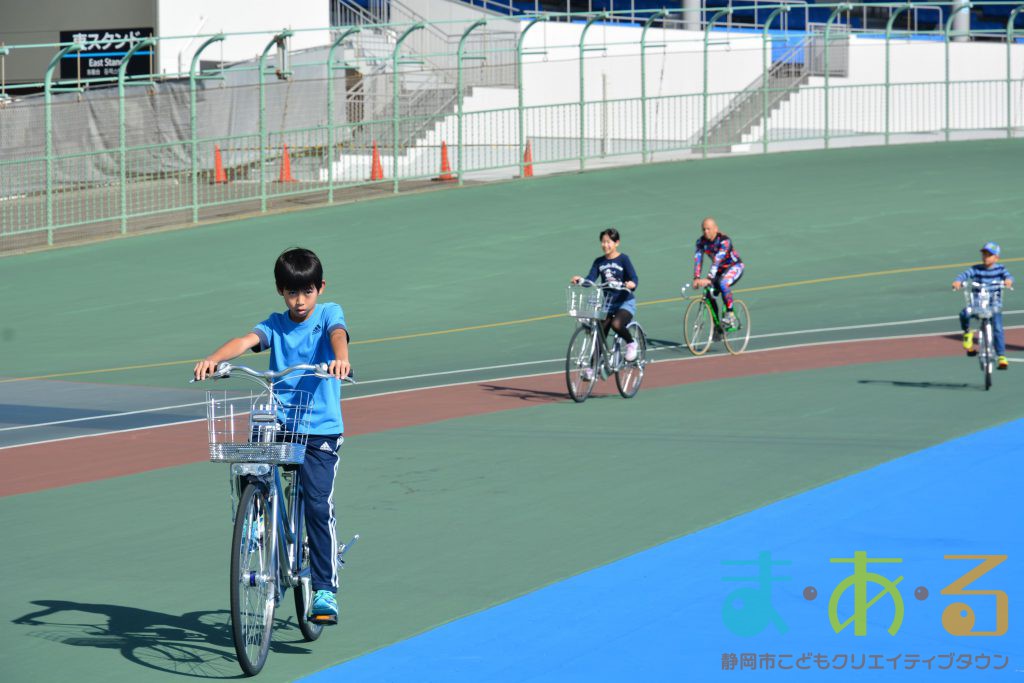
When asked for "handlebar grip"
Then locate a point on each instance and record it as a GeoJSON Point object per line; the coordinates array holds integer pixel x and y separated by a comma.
{"type": "Point", "coordinates": [219, 372]}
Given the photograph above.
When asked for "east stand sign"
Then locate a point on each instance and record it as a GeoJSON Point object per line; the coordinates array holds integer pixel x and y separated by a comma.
{"type": "Point", "coordinates": [105, 50]}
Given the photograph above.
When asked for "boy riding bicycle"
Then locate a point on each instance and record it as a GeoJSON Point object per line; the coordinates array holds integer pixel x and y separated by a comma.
{"type": "Point", "coordinates": [726, 266]}
{"type": "Point", "coordinates": [988, 273]}
{"type": "Point", "coordinates": [307, 333]}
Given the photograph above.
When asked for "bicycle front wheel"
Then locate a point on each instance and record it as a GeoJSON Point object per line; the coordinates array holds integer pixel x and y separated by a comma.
{"type": "Point", "coordinates": [986, 354]}
{"type": "Point", "coordinates": [252, 581]}
{"type": "Point", "coordinates": [698, 327]}
{"type": "Point", "coordinates": [581, 362]}
{"type": "Point", "coordinates": [631, 374]}
{"type": "Point", "coordinates": [736, 338]}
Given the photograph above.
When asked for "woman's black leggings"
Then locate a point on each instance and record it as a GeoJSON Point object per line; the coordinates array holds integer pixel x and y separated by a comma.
{"type": "Point", "coordinates": [618, 322]}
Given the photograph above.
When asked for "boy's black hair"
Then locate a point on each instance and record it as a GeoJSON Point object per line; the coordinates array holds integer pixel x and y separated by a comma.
{"type": "Point", "coordinates": [297, 269]}
{"type": "Point", "coordinates": [612, 233]}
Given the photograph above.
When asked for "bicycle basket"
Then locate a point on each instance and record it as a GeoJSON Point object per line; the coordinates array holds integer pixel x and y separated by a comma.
{"type": "Point", "coordinates": [585, 302]}
{"type": "Point", "coordinates": [258, 428]}
{"type": "Point", "coordinates": [983, 302]}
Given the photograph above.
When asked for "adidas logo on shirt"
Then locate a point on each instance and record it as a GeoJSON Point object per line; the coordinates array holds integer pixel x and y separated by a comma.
{"type": "Point", "coordinates": [316, 330]}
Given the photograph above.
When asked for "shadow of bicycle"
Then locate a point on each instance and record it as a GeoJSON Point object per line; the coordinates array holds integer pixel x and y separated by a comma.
{"type": "Point", "coordinates": [919, 385]}
{"type": "Point", "coordinates": [195, 644]}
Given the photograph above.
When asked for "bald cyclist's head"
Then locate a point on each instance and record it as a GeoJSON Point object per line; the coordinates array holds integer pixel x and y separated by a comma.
{"type": "Point", "coordinates": [710, 228]}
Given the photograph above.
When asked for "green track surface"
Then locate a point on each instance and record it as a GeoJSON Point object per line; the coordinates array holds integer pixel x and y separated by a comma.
{"type": "Point", "coordinates": [464, 514]}
{"type": "Point", "coordinates": [485, 255]}
{"type": "Point", "coordinates": [456, 516]}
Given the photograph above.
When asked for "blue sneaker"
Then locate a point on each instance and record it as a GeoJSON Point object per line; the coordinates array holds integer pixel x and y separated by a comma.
{"type": "Point", "coordinates": [324, 609]}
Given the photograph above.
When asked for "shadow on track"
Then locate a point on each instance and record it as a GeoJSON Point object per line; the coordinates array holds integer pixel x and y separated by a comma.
{"type": "Point", "coordinates": [921, 385]}
{"type": "Point", "coordinates": [195, 644]}
{"type": "Point", "coordinates": [526, 394]}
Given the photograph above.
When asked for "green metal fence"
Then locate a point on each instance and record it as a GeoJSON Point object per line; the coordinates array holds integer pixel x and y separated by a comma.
{"type": "Point", "coordinates": [193, 146]}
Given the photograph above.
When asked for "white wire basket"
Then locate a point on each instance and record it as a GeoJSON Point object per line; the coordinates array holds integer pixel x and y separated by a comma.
{"type": "Point", "coordinates": [585, 302]}
{"type": "Point", "coordinates": [983, 301]}
{"type": "Point", "coordinates": [258, 428]}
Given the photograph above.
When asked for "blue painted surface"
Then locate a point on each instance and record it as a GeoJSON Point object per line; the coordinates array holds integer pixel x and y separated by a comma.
{"type": "Point", "coordinates": [658, 615]}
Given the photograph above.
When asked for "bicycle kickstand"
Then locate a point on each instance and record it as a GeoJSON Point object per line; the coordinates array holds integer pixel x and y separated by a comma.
{"type": "Point", "coordinates": [344, 548]}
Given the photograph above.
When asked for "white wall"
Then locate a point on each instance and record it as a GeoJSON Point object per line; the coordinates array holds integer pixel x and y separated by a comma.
{"type": "Point", "coordinates": [674, 68]}
{"type": "Point", "coordinates": [677, 68]}
{"type": "Point", "coordinates": [193, 17]}
{"type": "Point", "coordinates": [857, 102]}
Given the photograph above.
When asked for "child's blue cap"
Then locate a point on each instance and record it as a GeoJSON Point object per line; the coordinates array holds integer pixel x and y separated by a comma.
{"type": "Point", "coordinates": [992, 248]}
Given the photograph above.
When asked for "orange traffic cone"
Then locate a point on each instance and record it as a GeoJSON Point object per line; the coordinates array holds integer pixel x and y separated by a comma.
{"type": "Point", "coordinates": [219, 176]}
{"type": "Point", "coordinates": [528, 161]}
{"type": "Point", "coordinates": [446, 168]}
{"type": "Point", "coordinates": [286, 168]}
{"type": "Point", "coordinates": [376, 170]}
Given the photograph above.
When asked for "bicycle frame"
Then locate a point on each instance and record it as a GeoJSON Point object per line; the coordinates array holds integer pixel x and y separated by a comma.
{"type": "Point", "coordinates": [709, 298]}
{"type": "Point", "coordinates": [286, 548]}
{"type": "Point", "coordinates": [606, 360]}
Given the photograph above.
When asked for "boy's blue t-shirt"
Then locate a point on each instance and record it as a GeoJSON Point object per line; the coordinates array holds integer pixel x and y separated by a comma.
{"type": "Point", "coordinates": [308, 342]}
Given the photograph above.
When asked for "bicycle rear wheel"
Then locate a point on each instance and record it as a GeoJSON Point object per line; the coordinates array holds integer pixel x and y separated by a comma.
{"type": "Point", "coordinates": [304, 591]}
{"type": "Point", "coordinates": [737, 338]}
{"type": "Point", "coordinates": [581, 360]}
{"type": "Point", "coordinates": [698, 327]}
{"type": "Point", "coordinates": [252, 581]}
{"type": "Point", "coordinates": [631, 374]}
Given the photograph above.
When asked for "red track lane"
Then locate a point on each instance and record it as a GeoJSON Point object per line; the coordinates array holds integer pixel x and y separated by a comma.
{"type": "Point", "coordinates": [75, 461]}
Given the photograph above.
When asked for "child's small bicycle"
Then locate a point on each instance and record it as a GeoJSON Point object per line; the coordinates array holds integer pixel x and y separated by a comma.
{"type": "Point", "coordinates": [982, 301]}
{"type": "Point", "coordinates": [701, 324]}
{"type": "Point", "coordinates": [264, 442]}
{"type": "Point", "coordinates": [589, 357]}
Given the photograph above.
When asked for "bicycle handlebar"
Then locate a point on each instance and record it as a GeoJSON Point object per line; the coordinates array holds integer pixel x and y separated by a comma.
{"type": "Point", "coordinates": [985, 285]}
{"type": "Point", "coordinates": [224, 370]}
{"type": "Point", "coordinates": [615, 286]}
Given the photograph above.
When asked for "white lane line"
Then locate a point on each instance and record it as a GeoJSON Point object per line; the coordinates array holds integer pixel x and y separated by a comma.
{"type": "Point", "coordinates": [481, 369]}
{"type": "Point", "coordinates": [512, 377]}
{"type": "Point", "coordinates": [866, 326]}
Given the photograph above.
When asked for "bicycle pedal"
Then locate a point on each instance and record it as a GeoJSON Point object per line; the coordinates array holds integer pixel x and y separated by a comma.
{"type": "Point", "coordinates": [323, 619]}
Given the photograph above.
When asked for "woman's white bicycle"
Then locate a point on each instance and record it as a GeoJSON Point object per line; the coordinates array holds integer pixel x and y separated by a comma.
{"type": "Point", "coordinates": [589, 356]}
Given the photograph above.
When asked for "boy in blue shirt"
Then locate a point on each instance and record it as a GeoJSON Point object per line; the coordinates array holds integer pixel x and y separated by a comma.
{"type": "Point", "coordinates": [988, 273]}
{"type": "Point", "coordinates": [307, 333]}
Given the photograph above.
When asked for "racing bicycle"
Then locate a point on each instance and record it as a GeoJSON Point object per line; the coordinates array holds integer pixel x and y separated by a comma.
{"type": "Point", "coordinates": [702, 324]}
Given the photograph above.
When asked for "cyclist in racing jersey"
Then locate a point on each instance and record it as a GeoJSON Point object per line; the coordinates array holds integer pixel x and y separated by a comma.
{"type": "Point", "coordinates": [726, 265]}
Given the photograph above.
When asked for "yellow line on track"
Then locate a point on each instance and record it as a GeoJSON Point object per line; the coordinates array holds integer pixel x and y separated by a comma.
{"type": "Point", "coordinates": [522, 321]}
{"type": "Point", "coordinates": [840, 278]}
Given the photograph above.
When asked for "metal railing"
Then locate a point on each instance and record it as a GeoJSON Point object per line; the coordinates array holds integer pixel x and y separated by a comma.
{"type": "Point", "coordinates": [106, 156]}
